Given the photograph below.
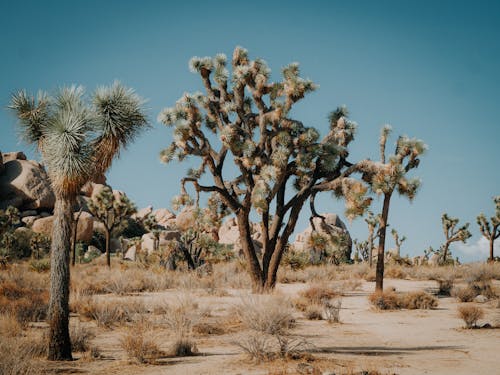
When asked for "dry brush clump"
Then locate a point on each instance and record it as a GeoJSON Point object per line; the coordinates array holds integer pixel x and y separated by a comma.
{"type": "Point", "coordinates": [470, 315]}
{"type": "Point", "coordinates": [140, 343]}
{"type": "Point", "coordinates": [390, 300]}
{"type": "Point", "coordinates": [270, 319]}
{"type": "Point", "coordinates": [320, 302]}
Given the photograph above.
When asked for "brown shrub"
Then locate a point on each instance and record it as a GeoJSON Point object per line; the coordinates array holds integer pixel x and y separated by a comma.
{"type": "Point", "coordinates": [466, 294]}
{"type": "Point", "coordinates": [206, 328]}
{"type": "Point", "coordinates": [319, 293]}
{"type": "Point", "coordinates": [385, 300]}
{"type": "Point", "coordinates": [314, 312]}
{"type": "Point", "coordinates": [80, 338]}
{"type": "Point", "coordinates": [418, 300]}
{"type": "Point", "coordinates": [17, 357]}
{"type": "Point", "coordinates": [184, 347]}
{"type": "Point", "coordinates": [19, 300]}
{"type": "Point", "coordinates": [139, 343]}
{"type": "Point", "coordinates": [395, 272]}
{"type": "Point", "coordinates": [9, 326]}
{"type": "Point", "coordinates": [470, 315]}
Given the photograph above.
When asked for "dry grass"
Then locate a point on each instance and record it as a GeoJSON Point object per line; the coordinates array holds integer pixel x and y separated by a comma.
{"type": "Point", "coordinates": [470, 315]}
{"type": "Point", "coordinates": [80, 338]}
{"type": "Point", "coordinates": [9, 326]}
{"type": "Point", "coordinates": [465, 294]}
{"type": "Point", "coordinates": [17, 357]}
{"type": "Point", "coordinates": [140, 344]}
{"type": "Point", "coordinates": [332, 310]}
{"type": "Point", "coordinates": [391, 300]}
{"type": "Point", "coordinates": [314, 312]}
{"type": "Point", "coordinates": [319, 293]}
{"type": "Point", "coordinates": [107, 313]}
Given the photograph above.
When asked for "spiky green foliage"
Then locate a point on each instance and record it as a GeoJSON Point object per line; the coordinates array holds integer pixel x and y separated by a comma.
{"type": "Point", "coordinates": [452, 234]}
{"type": "Point", "coordinates": [245, 117]}
{"type": "Point", "coordinates": [78, 139]}
{"type": "Point", "coordinates": [490, 229]}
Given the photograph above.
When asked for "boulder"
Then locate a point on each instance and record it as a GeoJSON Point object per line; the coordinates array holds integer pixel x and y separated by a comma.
{"type": "Point", "coordinates": [29, 220]}
{"type": "Point", "coordinates": [331, 226]}
{"type": "Point", "coordinates": [148, 239]}
{"type": "Point", "coordinates": [92, 252]}
{"type": "Point", "coordinates": [130, 254]}
{"type": "Point", "coordinates": [229, 234]}
{"type": "Point", "coordinates": [186, 218]}
{"type": "Point", "coordinates": [29, 213]}
{"type": "Point", "coordinates": [25, 184]}
{"type": "Point", "coordinates": [164, 217]}
{"type": "Point", "coordinates": [143, 213]}
{"type": "Point", "coordinates": [16, 155]}
{"type": "Point", "coordinates": [84, 229]}
{"type": "Point", "coordinates": [481, 299]}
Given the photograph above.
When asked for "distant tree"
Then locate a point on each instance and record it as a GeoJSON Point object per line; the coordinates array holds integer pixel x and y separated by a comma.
{"type": "Point", "coordinates": [152, 226]}
{"type": "Point", "coordinates": [246, 118]}
{"type": "Point", "coordinates": [373, 223]}
{"type": "Point", "coordinates": [398, 241]}
{"type": "Point", "coordinates": [78, 141]}
{"type": "Point", "coordinates": [9, 218]}
{"type": "Point", "coordinates": [387, 176]}
{"type": "Point", "coordinates": [111, 211]}
{"type": "Point", "coordinates": [491, 229]}
{"type": "Point", "coordinates": [452, 234]}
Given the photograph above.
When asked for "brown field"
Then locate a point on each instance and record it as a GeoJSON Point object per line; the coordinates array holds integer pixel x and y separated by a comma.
{"type": "Point", "coordinates": [137, 320]}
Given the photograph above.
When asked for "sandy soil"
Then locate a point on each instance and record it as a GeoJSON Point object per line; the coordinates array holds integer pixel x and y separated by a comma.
{"type": "Point", "coordinates": [394, 342]}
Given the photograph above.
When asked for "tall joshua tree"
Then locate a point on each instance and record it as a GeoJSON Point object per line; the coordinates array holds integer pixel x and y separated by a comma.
{"type": "Point", "coordinates": [243, 124]}
{"type": "Point", "coordinates": [77, 139]}
{"type": "Point", "coordinates": [491, 229]}
{"type": "Point", "coordinates": [452, 234]}
{"type": "Point", "coordinates": [111, 211]}
{"type": "Point", "coordinates": [389, 175]}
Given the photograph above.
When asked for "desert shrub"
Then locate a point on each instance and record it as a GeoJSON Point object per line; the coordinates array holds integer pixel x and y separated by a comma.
{"type": "Point", "coordinates": [184, 347]}
{"type": "Point", "coordinates": [445, 286]}
{"type": "Point", "coordinates": [351, 285]}
{"type": "Point", "coordinates": [17, 357]}
{"type": "Point", "coordinates": [205, 328]}
{"type": "Point", "coordinates": [332, 310]}
{"type": "Point", "coordinates": [25, 304]}
{"type": "Point", "coordinates": [257, 346]}
{"type": "Point", "coordinates": [9, 326]}
{"type": "Point", "coordinates": [465, 294]}
{"type": "Point", "coordinates": [390, 300]}
{"type": "Point", "coordinates": [385, 300]}
{"type": "Point", "coordinates": [479, 279]}
{"type": "Point", "coordinates": [418, 300]}
{"type": "Point", "coordinates": [470, 315]}
{"type": "Point", "coordinates": [296, 260]}
{"type": "Point", "coordinates": [80, 338]}
{"type": "Point", "coordinates": [266, 314]}
{"type": "Point", "coordinates": [287, 275]}
{"type": "Point", "coordinates": [40, 265]}
{"type": "Point", "coordinates": [314, 312]}
{"type": "Point", "coordinates": [318, 293]}
{"type": "Point", "coordinates": [395, 272]}
{"type": "Point", "coordinates": [108, 313]}
{"type": "Point", "coordinates": [140, 344]}
{"type": "Point", "coordinates": [370, 276]}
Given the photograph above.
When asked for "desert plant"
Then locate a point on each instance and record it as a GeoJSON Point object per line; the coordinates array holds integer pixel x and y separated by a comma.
{"type": "Point", "coordinates": [465, 294]}
{"type": "Point", "coordinates": [80, 338]}
{"type": "Point", "coordinates": [384, 177]}
{"type": "Point", "coordinates": [319, 292]}
{"type": "Point", "coordinates": [398, 241]}
{"type": "Point", "coordinates": [78, 141]}
{"type": "Point", "coordinates": [389, 300]}
{"type": "Point", "coordinates": [491, 229]}
{"type": "Point", "coordinates": [111, 210]}
{"type": "Point", "coordinates": [140, 344]}
{"type": "Point", "coordinates": [17, 357]}
{"type": "Point", "coordinates": [332, 310]}
{"type": "Point", "coordinates": [257, 346]}
{"type": "Point", "coordinates": [40, 265]}
{"type": "Point", "coordinates": [470, 315]}
{"type": "Point", "coordinates": [385, 300]}
{"type": "Point", "coordinates": [452, 234]}
{"type": "Point", "coordinates": [312, 311]}
{"type": "Point", "coordinates": [268, 148]}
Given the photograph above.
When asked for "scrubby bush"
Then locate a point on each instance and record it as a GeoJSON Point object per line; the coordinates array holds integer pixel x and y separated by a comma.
{"type": "Point", "coordinates": [319, 293]}
{"type": "Point", "coordinates": [140, 344]}
{"type": "Point", "coordinates": [40, 265]}
{"type": "Point", "coordinates": [390, 300]}
{"type": "Point", "coordinates": [470, 315]}
{"type": "Point", "coordinates": [465, 294]}
{"type": "Point", "coordinates": [80, 338]}
{"type": "Point", "coordinates": [332, 310]}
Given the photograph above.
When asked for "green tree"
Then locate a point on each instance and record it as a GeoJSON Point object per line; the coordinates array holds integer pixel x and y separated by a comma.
{"type": "Point", "coordinates": [112, 212]}
{"type": "Point", "coordinates": [452, 234]}
{"type": "Point", "coordinates": [389, 175]}
{"type": "Point", "coordinates": [77, 140]}
{"type": "Point", "coordinates": [242, 132]}
{"type": "Point", "coordinates": [491, 229]}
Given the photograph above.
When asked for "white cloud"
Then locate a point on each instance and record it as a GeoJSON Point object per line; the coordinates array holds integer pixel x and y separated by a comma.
{"type": "Point", "coordinates": [479, 250]}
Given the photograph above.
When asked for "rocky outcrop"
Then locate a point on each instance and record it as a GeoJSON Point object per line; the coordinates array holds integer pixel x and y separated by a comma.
{"type": "Point", "coordinates": [148, 239]}
{"type": "Point", "coordinates": [186, 218]}
{"type": "Point", "coordinates": [164, 217]}
{"type": "Point", "coordinates": [84, 228]}
{"type": "Point", "coordinates": [229, 234]}
{"type": "Point", "coordinates": [24, 184]}
{"type": "Point", "coordinates": [331, 226]}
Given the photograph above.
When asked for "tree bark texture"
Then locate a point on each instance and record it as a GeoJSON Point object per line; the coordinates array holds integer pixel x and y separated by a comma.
{"type": "Point", "coordinates": [379, 277]}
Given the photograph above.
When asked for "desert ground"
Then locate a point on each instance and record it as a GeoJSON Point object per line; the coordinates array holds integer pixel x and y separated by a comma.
{"type": "Point", "coordinates": [209, 311]}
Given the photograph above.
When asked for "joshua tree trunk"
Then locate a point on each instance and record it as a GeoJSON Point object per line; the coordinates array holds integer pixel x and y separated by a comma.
{"type": "Point", "coordinates": [59, 340]}
{"type": "Point", "coordinates": [108, 254]}
{"type": "Point", "coordinates": [379, 278]}
{"type": "Point", "coordinates": [75, 233]}
{"type": "Point", "coordinates": [492, 241]}
{"type": "Point", "coordinates": [445, 251]}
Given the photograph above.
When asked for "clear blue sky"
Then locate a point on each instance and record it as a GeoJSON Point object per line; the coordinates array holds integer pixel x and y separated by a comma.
{"type": "Point", "coordinates": [428, 68]}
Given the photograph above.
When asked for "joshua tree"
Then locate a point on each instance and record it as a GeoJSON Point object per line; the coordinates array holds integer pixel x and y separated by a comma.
{"type": "Point", "coordinates": [388, 175]}
{"type": "Point", "coordinates": [77, 140]}
{"type": "Point", "coordinates": [151, 225]}
{"type": "Point", "coordinates": [452, 234]}
{"type": "Point", "coordinates": [243, 124]}
{"type": "Point", "coordinates": [373, 222]}
{"type": "Point", "coordinates": [491, 229]}
{"type": "Point", "coordinates": [362, 250]}
{"type": "Point", "coordinates": [111, 211]}
{"type": "Point", "coordinates": [398, 241]}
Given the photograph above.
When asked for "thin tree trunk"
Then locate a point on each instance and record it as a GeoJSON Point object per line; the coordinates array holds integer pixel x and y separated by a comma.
{"type": "Point", "coordinates": [379, 278]}
{"type": "Point", "coordinates": [59, 340]}
{"type": "Point", "coordinates": [108, 253]}
{"type": "Point", "coordinates": [249, 252]}
{"type": "Point", "coordinates": [75, 233]}
{"type": "Point", "coordinates": [492, 241]}
{"type": "Point", "coordinates": [445, 251]}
